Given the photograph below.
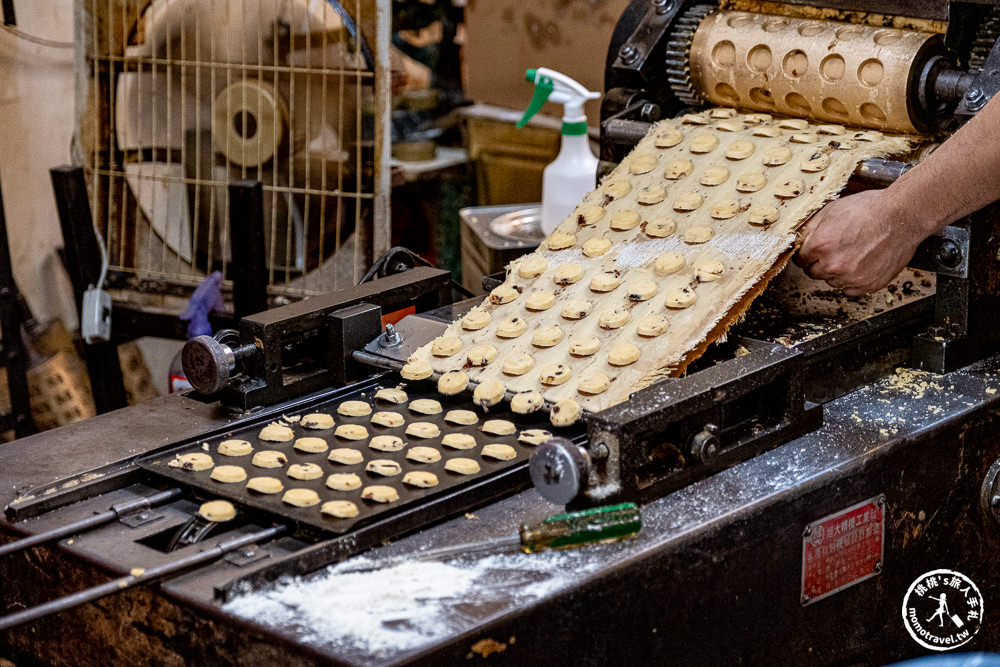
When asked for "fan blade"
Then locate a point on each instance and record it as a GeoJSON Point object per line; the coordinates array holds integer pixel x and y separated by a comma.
{"type": "Point", "coordinates": [160, 191]}
{"type": "Point", "coordinates": [154, 109]}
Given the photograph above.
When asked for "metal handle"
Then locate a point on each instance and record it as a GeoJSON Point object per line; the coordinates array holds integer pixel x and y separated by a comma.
{"type": "Point", "coordinates": [601, 524]}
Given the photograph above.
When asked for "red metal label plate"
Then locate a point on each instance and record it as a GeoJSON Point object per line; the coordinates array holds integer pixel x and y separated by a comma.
{"type": "Point", "coordinates": [842, 549]}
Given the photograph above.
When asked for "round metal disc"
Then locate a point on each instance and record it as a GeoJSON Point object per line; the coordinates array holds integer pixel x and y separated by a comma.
{"type": "Point", "coordinates": [559, 470]}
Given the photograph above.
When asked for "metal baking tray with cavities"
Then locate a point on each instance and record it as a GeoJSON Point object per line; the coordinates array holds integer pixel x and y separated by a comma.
{"type": "Point", "coordinates": [454, 492]}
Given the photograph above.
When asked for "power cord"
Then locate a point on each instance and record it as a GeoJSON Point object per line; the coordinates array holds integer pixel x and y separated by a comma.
{"type": "Point", "coordinates": [41, 41]}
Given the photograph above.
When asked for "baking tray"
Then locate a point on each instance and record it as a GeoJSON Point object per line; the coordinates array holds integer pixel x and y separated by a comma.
{"type": "Point", "coordinates": [494, 476]}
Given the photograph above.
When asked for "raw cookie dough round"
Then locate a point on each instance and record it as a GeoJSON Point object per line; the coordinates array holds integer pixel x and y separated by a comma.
{"type": "Point", "coordinates": [481, 355]}
{"type": "Point", "coordinates": [511, 327]}
{"type": "Point", "coordinates": [425, 406]}
{"type": "Point", "coordinates": [339, 509]}
{"type": "Point", "coordinates": [869, 135]}
{"type": "Point", "coordinates": [498, 427]}
{"type": "Point", "coordinates": [652, 326]}
{"type": "Point", "coordinates": [276, 433]}
{"type": "Point", "coordinates": [722, 112]}
{"type": "Point", "coordinates": [378, 493]}
{"type": "Point", "coordinates": [217, 511]}
{"type": "Point", "coordinates": [762, 215]}
{"type": "Point", "coordinates": [703, 143]}
{"type": "Point", "coordinates": [724, 209]}
{"type": "Point", "coordinates": [351, 432]}
{"type": "Point", "coordinates": [420, 478]}
{"type": "Point", "coordinates": [388, 419]}
{"type": "Point", "coordinates": [390, 395]}
{"type": "Point", "coordinates": [235, 448]}
{"type": "Point", "coordinates": [740, 150]}
{"type": "Point", "coordinates": [775, 156]}
{"type": "Point", "coordinates": [305, 471]}
{"type": "Point", "coordinates": [678, 169]}
{"type": "Point", "coordinates": [576, 309]}
{"type": "Point", "coordinates": [383, 467]}
{"type": "Point", "coordinates": [499, 451]}
{"type": "Point", "coordinates": [553, 375]}
{"type": "Point", "coordinates": [445, 346]}
{"type": "Point", "coordinates": [534, 436]}
{"type": "Point", "coordinates": [604, 282]}
{"type": "Point", "coordinates": [565, 413]}
{"type": "Point", "coordinates": [593, 382]}
{"type": "Point", "coordinates": [831, 129]}
{"type": "Point", "coordinates": [488, 393]}
{"type": "Point", "coordinates": [561, 240]}
{"type": "Point", "coordinates": [641, 163]}
{"type": "Point", "coordinates": [458, 441]}
{"type": "Point", "coordinates": [588, 214]}
{"type": "Point", "coordinates": [547, 336]}
{"type": "Point", "coordinates": [770, 131]}
{"type": "Point", "coordinates": [423, 454]}
{"type": "Point", "coordinates": [756, 118]}
{"type": "Point", "coordinates": [789, 188]}
{"type": "Point", "coordinates": [311, 445]}
{"type": "Point", "coordinates": [193, 462]}
{"type": "Point", "coordinates": [688, 201]}
{"type": "Point", "coordinates": [660, 228]}
{"type": "Point", "coordinates": [265, 485]}
{"type": "Point", "coordinates": [567, 274]}
{"type": "Point", "coordinates": [622, 221]}
{"type": "Point", "coordinates": [698, 234]}
{"type": "Point", "coordinates": [269, 458]}
{"type": "Point", "coordinates": [416, 370]}
{"type": "Point", "coordinates": [709, 270]}
{"type": "Point", "coordinates": [453, 382]}
{"type": "Point", "coordinates": [503, 294]}
{"type": "Point", "coordinates": [668, 263]}
{"type": "Point", "coordinates": [615, 318]}
{"type": "Point", "coordinates": [345, 456]}
{"type": "Point", "coordinates": [462, 417]}
{"type": "Point", "coordinates": [668, 138]}
{"type": "Point", "coordinates": [518, 364]}
{"type": "Point", "coordinates": [354, 408]}
{"type": "Point", "coordinates": [228, 474]}
{"type": "Point", "coordinates": [803, 138]}
{"type": "Point", "coordinates": [651, 195]}
{"type": "Point", "coordinates": [730, 126]}
{"type": "Point", "coordinates": [752, 181]}
{"type": "Point", "coordinates": [680, 298]}
{"type": "Point", "coordinates": [423, 430]}
{"type": "Point", "coordinates": [815, 162]}
{"type": "Point", "coordinates": [300, 497]}
{"type": "Point", "coordinates": [474, 320]}
{"type": "Point", "coordinates": [526, 402]}
{"type": "Point", "coordinates": [641, 290]}
{"type": "Point", "coordinates": [623, 354]}
{"type": "Point", "coordinates": [462, 466]}
{"type": "Point", "coordinates": [540, 299]}
{"type": "Point", "coordinates": [343, 481]}
{"type": "Point", "coordinates": [386, 443]}
{"type": "Point", "coordinates": [317, 421]}
{"type": "Point", "coordinates": [695, 119]}
{"type": "Point", "coordinates": [714, 176]}
{"type": "Point", "coordinates": [618, 188]}
{"type": "Point", "coordinates": [584, 346]}
{"type": "Point", "coordinates": [596, 247]}
{"type": "Point", "coordinates": [532, 266]}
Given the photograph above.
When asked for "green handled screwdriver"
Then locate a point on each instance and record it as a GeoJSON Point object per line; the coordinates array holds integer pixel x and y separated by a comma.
{"type": "Point", "coordinates": [611, 523]}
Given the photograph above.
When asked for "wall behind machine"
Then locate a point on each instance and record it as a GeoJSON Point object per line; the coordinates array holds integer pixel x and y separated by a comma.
{"type": "Point", "coordinates": [36, 117]}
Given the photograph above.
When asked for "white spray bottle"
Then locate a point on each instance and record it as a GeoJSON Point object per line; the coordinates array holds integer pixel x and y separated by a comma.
{"type": "Point", "coordinates": [568, 178]}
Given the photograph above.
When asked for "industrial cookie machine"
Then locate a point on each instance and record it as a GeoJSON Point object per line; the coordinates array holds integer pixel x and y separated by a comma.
{"type": "Point", "coordinates": [774, 433]}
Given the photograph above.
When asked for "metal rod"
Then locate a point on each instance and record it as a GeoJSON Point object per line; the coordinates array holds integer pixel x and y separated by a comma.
{"type": "Point", "coordinates": [84, 525]}
{"type": "Point", "coordinates": [249, 248]}
{"type": "Point", "coordinates": [140, 577]}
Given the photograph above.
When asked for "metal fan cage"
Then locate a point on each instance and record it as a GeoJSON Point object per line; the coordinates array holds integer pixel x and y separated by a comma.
{"type": "Point", "coordinates": [315, 72]}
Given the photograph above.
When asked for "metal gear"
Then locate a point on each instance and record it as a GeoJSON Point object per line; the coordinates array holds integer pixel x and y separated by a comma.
{"type": "Point", "coordinates": [986, 37]}
{"type": "Point", "coordinates": [678, 60]}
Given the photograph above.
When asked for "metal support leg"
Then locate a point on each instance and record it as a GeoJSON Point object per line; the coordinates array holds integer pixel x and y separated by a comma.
{"type": "Point", "coordinates": [246, 233]}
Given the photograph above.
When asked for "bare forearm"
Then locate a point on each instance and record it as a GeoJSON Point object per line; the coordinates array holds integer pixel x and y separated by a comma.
{"type": "Point", "coordinates": [960, 177]}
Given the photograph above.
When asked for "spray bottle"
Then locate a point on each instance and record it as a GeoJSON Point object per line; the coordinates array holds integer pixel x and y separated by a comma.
{"type": "Point", "coordinates": [571, 175]}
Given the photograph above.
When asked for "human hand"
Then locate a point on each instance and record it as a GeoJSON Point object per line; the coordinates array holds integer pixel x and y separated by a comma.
{"type": "Point", "coordinates": [858, 243]}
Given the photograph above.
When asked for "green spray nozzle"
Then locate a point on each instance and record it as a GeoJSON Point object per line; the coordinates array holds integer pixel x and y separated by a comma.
{"type": "Point", "coordinates": [543, 88]}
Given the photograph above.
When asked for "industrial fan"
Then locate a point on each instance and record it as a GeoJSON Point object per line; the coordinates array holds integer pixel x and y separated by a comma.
{"type": "Point", "coordinates": [207, 93]}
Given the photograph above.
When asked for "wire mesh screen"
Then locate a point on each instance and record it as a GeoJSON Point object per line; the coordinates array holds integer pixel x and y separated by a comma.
{"type": "Point", "coordinates": [182, 97]}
